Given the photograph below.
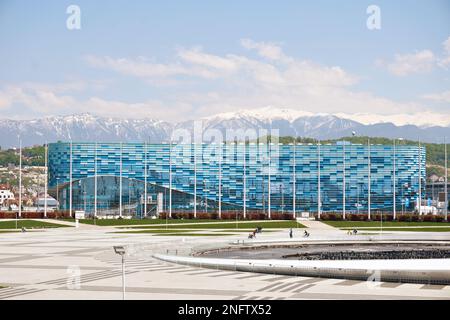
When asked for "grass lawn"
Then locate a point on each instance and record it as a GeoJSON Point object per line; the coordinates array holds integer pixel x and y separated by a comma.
{"type": "Point", "coordinates": [193, 223]}
{"type": "Point", "coordinates": [129, 222]}
{"type": "Point", "coordinates": [242, 230]}
{"type": "Point", "coordinates": [362, 224]}
{"type": "Point", "coordinates": [443, 229]}
{"type": "Point", "coordinates": [178, 233]}
{"type": "Point", "coordinates": [228, 226]}
{"type": "Point", "coordinates": [29, 224]}
{"type": "Point", "coordinates": [153, 231]}
{"type": "Point", "coordinates": [200, 234]}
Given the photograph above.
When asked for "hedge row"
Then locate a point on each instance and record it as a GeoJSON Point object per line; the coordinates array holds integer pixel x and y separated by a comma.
{"type": "Point", "coordinates": [34, 215]}
{"type": "Point", "coordinates": [377, 217]}
{"type": "Point", "coordinates": [227, 215]}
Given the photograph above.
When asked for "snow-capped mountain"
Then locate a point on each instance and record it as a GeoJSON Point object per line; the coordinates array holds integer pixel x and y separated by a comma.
{"type": "Point", "coordinates": [88, 127]}
{"type": "Point", "coordinates": [287, 121]}
{"type": "Point", "coordinates": [81, 127]}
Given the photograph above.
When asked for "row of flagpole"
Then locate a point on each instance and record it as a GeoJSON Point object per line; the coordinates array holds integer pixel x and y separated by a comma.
{"type": "Point", "coordinates": [244, 181]}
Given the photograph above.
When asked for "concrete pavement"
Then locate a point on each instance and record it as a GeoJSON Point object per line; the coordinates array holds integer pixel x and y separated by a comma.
{"type": "Point", "coordinates": [70, 263]}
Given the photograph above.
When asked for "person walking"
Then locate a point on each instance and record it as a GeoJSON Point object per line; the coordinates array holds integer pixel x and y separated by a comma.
{"type": "Point", "coordinates": [290, 233]}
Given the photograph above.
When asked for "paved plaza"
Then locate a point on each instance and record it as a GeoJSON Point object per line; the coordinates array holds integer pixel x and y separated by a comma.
{"type": "Point", "coordinates": [79, 263]}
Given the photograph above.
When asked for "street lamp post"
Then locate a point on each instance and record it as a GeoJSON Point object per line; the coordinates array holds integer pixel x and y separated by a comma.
{"type": "Point", "coordinates": [120, 250]}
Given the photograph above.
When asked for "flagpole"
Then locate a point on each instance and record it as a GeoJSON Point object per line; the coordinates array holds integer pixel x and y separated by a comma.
{"type": "Point", "coordinates": [195, 180]}
{"type": "Point", "coordinates": [46, 180]}
{"type": "Point", "coordinates": [70, 178]}
{"type": "Point", "coordinates": [20, 177]}
{"type": "Point", "coordinates": [170, 178]}
{"type": "Point", "coordinates": [446, 180]}
{"type": "Point", "coordinates": [95, 181]}
{"type": "Point", "coordinates": [120, 181]}
{"type": "Point", "coordinates": [269, 182]}
{"type": "Point", "coordinates": [420, 178]}
{"type": "Point", "coordinates": [145, 179]}
{"type": "Point", "coordinates": [344, 189]}
{"type": "Point", "coordinates": [394, 202]}
{"type": "Point", "coordinates": [245, 180]}
{"type": "Point", "coordinates": [220, 179]}
{"type": "Point", "coordinates": [319, 197]}
{"type": "Point", "coordinates": [369, 183]}
{"type": "Point", "coordinates": [294, 182]}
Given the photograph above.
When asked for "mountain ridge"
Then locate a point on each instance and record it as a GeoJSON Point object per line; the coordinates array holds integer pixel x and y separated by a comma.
{"type": "Point", "coordinates": [289, 122]}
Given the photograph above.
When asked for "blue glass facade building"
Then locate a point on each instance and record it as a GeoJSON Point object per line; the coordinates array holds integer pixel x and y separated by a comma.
{"type": "Point", "coordinates": [254, 169]}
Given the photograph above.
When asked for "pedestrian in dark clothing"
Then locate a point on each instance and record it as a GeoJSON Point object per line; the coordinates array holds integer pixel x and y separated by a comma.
{"type": "Point", "coordinates": [290, 233]}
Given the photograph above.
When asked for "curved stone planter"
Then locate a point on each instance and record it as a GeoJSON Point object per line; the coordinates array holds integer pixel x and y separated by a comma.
{"type": "Point", "coordinates": [428, 271]}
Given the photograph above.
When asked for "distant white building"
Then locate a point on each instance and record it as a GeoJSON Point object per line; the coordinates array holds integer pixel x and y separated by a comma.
{"type": "Point", "coordinates": [5, 195]}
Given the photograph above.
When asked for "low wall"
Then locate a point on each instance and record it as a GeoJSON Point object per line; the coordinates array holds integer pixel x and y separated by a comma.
{"type": "Point", "coordinates": [293, 268]}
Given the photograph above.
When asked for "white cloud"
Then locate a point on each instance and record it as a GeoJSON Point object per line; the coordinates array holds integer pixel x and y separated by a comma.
{"type": "Point", "coordinates": [196, 105]}
{"type": "Point", "coordinates": [265, 49]}
{"type": "Point", "coordinates": [438, 97]}
{"type": "Point", "coordinates": [31, 99]}
{"type": "Point", "coordinates": [444, 62]}
{"type": "Point", "coordinates": [423, 119]}
{"type": "Point", "coordinates": [240, 82]}
{"type": "Point", "coordinates": [196, 63]}
{"type": "Point", "coordinates": [143, 68]}
{"type": "Point", "coordinates": [406, 64]}
{"type": "Point", "coordinates": [446, 45]}
{"type": "Point", "coordinates": [37, 99]}
{"type": "Point", "coordinates": [138, 67]}
{"type": "Point", "coordinates": [419, 62]}
{"type": "Point", "coordinates": [197, 57]}
{"type": "Point", "coordinates": [148, 109]}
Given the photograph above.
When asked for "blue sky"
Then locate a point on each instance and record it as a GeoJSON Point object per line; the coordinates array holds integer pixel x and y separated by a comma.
{"type": "Point", "coordinates": [176, 60]}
